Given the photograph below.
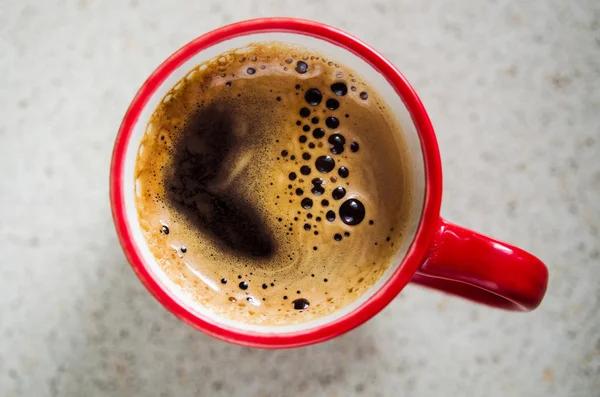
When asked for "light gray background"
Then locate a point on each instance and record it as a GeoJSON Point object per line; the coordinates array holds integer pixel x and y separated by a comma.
{"type": "Point", "coordinates": [513, 90]}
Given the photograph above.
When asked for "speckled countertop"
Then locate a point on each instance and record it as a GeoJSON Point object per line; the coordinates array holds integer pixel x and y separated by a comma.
{"type": "Point", "coordinates": [513, 89]}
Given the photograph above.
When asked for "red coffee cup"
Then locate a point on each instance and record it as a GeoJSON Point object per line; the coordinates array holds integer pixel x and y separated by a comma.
{"type": "Point", "coordinates": [437, 253]}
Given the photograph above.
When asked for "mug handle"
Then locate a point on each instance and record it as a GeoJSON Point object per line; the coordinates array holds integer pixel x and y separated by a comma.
{"type": "Point", "coordinates": [468, 264]}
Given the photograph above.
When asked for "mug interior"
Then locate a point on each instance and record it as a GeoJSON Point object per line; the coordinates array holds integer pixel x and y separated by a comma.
{"type": "Point", "coordinates": [334, 51]}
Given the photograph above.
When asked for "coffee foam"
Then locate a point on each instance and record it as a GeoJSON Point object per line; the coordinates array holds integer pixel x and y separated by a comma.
{"type": "Point", "coordinates": [229, 136]}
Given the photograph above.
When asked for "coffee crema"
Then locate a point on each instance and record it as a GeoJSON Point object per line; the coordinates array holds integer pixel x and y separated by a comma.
{"type": "Point", "coordinates": [273, 185]}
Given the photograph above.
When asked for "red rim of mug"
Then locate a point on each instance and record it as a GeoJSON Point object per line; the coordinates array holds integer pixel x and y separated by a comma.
{"type": "Point", "coordinates": [417, 250]}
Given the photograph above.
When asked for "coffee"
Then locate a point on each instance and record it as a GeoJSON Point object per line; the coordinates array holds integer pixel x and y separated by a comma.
{"type": "Point", "coordinates": [273, 185]}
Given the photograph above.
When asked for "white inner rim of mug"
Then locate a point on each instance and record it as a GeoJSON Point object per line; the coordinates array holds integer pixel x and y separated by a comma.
{"type": "Point", "coordinates": [334, 52]}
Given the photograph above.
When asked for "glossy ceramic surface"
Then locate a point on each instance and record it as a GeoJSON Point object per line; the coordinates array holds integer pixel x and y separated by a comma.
{"type": "Point", "coordinates": [446, 256]}
{"type": "Point", "coordinates": [485, 270]}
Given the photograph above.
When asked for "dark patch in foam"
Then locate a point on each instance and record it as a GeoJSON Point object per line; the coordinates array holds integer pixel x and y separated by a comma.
{"type": "Point", "coordinates": [198, 159]}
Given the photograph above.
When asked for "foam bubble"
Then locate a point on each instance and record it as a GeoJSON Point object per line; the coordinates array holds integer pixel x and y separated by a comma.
{"type": "Point", "coordinates": [339, 88]}
{"type": "Point", "coordinates": [332, 122]}
{"type": "Point", "coordinates": [332, 104]}
{"type": "Point", "coordinates": [313, 96]}
{"type": "Point", "coordinates": [318, 133]}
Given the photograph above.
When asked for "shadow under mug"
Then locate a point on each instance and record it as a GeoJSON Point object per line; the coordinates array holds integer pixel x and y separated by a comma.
{"type": "Point", "coordinates": [436, 254]}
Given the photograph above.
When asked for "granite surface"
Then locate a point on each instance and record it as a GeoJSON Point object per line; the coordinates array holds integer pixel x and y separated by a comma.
{"type": "Point", "coordinates": [513, 89]}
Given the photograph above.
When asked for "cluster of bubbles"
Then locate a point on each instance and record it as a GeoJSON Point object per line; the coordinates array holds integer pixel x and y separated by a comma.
{"type": "Point", "coordinates": [351, 211]}
{"type": "Point", "coordinates": [315, 166]}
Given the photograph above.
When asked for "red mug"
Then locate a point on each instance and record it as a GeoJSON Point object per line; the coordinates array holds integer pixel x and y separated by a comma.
{"type": "Point", "coordinates": [439, 254]}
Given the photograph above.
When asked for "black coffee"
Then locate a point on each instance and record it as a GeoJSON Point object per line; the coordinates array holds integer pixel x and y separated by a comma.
{"type": "Point", "coordinates": [278, 169]}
